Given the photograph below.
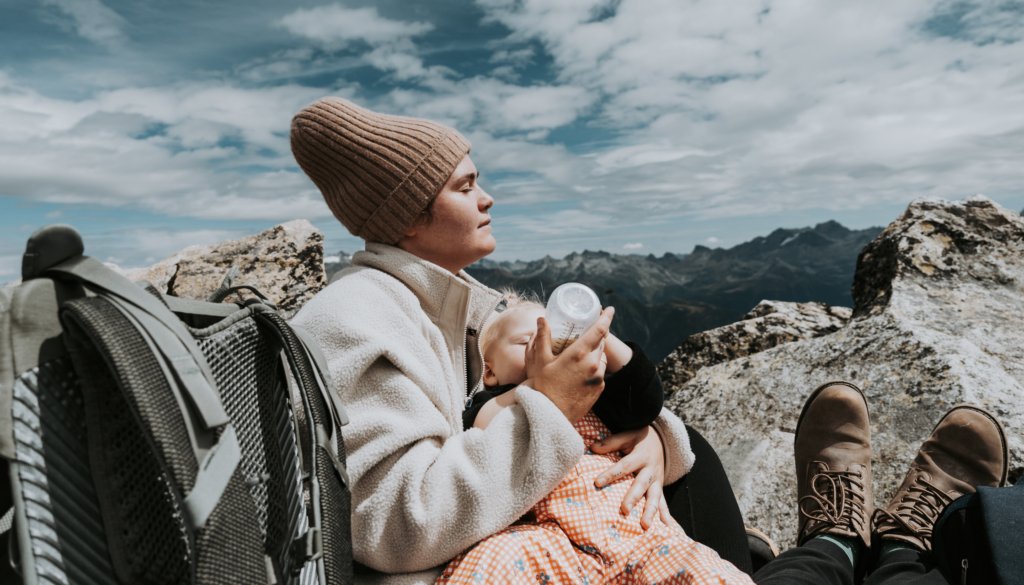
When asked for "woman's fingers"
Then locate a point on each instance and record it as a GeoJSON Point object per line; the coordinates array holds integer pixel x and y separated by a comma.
{"type": "Point", "coordinates": [641, 483]}
{"type": "Point", "coordinates": [624, 441]}
{"type": "Point", "coordinates": [665, 513]}
{"type": "Point", "coordinates": [593, 338]}
{"type": "Point", "coordinates": [538, 349]}
{"type": "Point", "coordinates": [611, 474]}
{"type": "Point", "coordinates": [597, 366]}
{"type": "Point", "coordinates": [655, 497]}
{"type": "Point", "coordinates": [542, 340]}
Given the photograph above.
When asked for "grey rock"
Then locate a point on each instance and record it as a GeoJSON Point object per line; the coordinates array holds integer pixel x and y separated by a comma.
{"type": "Point", "coordinates": [285, 263]}
{"type": "Point", "coordinates": [767, 325]}
{"type": "Point", "coordinates": [937, 322]}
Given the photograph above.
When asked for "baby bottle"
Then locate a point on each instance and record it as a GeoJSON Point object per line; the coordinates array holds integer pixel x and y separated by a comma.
{"type": "Point", "coordinates": [572, 309]}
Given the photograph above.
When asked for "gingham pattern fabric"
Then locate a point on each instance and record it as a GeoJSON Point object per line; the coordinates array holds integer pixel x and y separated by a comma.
{"type": "Point", "coordinates": [577, 534]}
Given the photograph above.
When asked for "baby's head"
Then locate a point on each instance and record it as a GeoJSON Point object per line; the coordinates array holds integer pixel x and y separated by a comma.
{"type": "Point", "coordinates": [503, 342]}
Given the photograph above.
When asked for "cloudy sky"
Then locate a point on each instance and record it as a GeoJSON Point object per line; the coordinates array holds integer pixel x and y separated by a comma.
{"type": "Point", "coordinates": [630, 125]}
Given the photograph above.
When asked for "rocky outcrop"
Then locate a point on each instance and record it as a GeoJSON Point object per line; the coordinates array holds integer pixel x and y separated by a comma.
{"type": "Point", "coordinates": [285, 263]}
{"type": "Point", "coordinates": [937, 321]}
{"type": "Point", "coordinates": [767, 325]}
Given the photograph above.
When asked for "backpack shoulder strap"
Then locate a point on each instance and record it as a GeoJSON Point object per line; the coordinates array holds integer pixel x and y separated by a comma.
{"type": "Point", "coordinates": [172, 338]}
{"type": "Point", "coordinates": [323, 456]}
{"type": "Point", "coordinates": [183, 363]}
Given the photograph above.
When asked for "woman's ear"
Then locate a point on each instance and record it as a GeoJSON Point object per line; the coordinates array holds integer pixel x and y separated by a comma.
{"type": "Point", "coordinates": [490, 378]}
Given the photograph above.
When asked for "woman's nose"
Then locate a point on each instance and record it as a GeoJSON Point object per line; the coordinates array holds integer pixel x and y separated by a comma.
{"type": "Point", "coordinates": [486, 202]}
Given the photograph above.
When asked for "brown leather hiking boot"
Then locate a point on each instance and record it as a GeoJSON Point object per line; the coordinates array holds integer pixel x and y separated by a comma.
{"type": "Point", "coordinates": [833, 464]}
{"type": "Point", "coordinates": [966, 449]}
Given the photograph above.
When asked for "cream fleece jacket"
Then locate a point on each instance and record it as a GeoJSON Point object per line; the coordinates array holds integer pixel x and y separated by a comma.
{"type": "Point", "coordinates": [394, 330]}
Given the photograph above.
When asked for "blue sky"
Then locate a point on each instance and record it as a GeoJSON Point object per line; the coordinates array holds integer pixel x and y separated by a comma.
{"type": "Point", "coordinates": [625, 125]}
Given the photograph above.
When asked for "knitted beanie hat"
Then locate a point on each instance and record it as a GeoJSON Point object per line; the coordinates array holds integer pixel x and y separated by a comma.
{"type": "Point", "coordinates": [376, 172]}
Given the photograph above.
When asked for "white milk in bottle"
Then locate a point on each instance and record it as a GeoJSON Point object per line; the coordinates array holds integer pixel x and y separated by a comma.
{"type": "Point", "coordinates": [572, 309]}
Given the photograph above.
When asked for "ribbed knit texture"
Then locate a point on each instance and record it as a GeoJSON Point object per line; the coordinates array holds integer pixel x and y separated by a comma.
{"type": "Point", "coordinates": [376, 172]}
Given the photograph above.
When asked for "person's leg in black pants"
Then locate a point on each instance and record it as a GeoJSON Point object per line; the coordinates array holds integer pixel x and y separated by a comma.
{"type": "Point", "coordinates": [817, 562]}
{"type": "Point", "coordinates": [906, 567]}
{"type": "Point", "coordinates": [703, 503]}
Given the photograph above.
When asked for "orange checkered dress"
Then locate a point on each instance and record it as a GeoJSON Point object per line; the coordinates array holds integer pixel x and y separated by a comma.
{"type": "Point", "coordinates": [577, 534]}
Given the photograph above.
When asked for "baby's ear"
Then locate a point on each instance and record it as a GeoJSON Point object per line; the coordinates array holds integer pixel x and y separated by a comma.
{"type": "Point", "coordinates": [490, 378]}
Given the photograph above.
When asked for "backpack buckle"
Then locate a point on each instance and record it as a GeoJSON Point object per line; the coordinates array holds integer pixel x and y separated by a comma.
{"type": "Point", "coordinates": [307, 547]}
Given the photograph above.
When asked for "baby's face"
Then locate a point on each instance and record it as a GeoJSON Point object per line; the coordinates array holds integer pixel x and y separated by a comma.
{"type": "Point", "coordinates": [505, 355]}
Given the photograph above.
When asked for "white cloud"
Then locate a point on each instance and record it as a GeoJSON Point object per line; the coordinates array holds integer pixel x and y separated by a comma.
{"type": "Point", "coordinates": [93, 20]}
{"type": "Point", "coordinates": [391, 49]}
{"type": "Point", "coordinates": [10, 268]}
{"type": "Point", "coordinates": [624, 116]}
{"type": "Point", "coordinates": [773, 106]}
{"type": "Point", "coordinates": [149, 246]}
{"type": "Point", "coordinates": [337, 25]}
{"type": "Point", "coordinates": [633, 246]}
{"type": "Point", "coordinates": [197, 149]}
{"type": "Point", "coordinates": [712, 241]}
{"type": "Point", "coordinates": [494, 106]}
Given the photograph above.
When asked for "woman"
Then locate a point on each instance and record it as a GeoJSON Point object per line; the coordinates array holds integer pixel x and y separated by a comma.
{"type": "Point", "coordinates": [400, 329]}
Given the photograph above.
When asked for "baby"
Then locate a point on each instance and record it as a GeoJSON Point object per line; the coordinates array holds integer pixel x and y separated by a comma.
{"type": "Point", "coordinates": [632, 396]}
{"type": "Point", "coordinates": [578, 533]}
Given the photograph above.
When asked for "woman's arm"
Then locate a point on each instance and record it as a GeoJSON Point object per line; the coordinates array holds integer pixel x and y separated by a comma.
{"type": "Point", "coordinates": [422, 493]}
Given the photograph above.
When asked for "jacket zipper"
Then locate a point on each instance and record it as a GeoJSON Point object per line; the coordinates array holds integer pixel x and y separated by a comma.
{"type": "Point", "coordinates": [500, 307]}
{"type": "Point", "coordinates": [963, 571]}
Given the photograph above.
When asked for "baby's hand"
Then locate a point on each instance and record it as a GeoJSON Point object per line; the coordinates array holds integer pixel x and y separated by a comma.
{"type": "Point", "coordinates": [617, 352]}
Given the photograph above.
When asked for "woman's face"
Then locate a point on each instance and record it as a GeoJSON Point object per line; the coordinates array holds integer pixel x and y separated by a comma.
{"type": "Point", "coordinates": [459, 230]}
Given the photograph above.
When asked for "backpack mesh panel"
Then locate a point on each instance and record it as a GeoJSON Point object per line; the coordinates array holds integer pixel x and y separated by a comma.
{"type": "Point", "coordinates": [335, 498]}
{"type": "Point", "coordinates": [228, 549]}
{"type": "Point", "coordinates": [145, 529]}
{"type": "Point", "coordinates": [247, 366]}
{"type": "Point", "coordinates": [335, 503]}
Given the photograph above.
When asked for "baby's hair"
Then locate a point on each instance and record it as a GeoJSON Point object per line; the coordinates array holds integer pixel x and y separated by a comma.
{"type": "Point", "coordinates": [514, 299]}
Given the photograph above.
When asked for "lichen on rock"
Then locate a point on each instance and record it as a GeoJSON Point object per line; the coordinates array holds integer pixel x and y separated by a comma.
{"type": "Point", "coordinates": [285, 263]}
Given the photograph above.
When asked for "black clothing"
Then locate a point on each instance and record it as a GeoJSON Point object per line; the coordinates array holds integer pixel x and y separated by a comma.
{"type": "Point", "coordinates": [632, 397]}
{"type": "Point", "coordinates": [703, 505]}
{"type": "Point", "coordinates": [819, 562]}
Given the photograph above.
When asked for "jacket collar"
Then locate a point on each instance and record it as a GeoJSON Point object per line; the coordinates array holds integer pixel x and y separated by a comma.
{"type": "Point", "coordinates": [457, 303]}
{"type": "Point", "coordinates": [442, 295]}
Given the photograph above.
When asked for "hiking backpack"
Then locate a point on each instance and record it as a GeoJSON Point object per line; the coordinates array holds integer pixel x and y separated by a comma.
{"type": "Point", "coordinates": [151, 439]}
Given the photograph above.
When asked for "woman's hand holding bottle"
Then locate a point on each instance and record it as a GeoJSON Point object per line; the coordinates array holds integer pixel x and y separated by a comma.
{"type": "Point", "coordinates": [574, 379]}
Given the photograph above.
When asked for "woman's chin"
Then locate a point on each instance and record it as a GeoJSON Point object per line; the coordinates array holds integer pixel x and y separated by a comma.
{"type": "Point", "coordinates": [489, 245]}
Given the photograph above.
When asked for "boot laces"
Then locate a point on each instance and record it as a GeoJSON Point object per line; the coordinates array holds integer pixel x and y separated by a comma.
{"type": "Point", "coordinates": [836, 499]}
{"type": "Point", "coordinates": [916, 512]}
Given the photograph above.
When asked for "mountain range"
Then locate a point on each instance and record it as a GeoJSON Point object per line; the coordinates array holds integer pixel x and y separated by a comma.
{"type": "Point", "coordinates": [661, 300]}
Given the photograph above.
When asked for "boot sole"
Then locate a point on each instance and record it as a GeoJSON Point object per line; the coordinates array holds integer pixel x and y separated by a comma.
{"type": "Point", "coordinates": [819, 389]}
{"type": "Point", "coordinates": [999, 427]}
